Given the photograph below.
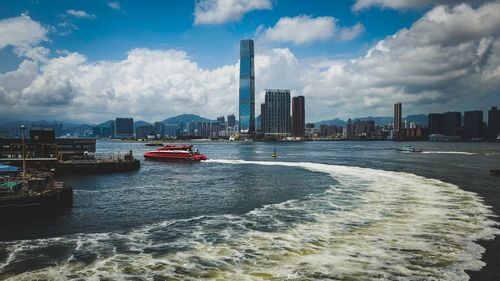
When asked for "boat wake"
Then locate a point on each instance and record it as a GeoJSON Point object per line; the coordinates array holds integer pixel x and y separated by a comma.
{"type": "Point", "coordinates": [450, 152]}
{"type": "Point", "coordinates": [370, 224]}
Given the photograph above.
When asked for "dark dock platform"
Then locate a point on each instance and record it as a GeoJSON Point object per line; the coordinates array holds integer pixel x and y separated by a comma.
{"type": "Point", "coordinates": [97, 166]}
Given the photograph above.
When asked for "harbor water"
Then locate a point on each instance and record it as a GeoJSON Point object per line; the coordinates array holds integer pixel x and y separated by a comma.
{"type": "Point", "coordinates": [320, 210]}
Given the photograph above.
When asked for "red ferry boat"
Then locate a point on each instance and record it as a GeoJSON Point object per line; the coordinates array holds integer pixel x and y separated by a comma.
{"type": "Point", "coordinates": [175, 153]}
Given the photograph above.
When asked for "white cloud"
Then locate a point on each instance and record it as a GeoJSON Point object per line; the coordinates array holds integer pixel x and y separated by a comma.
{"type": "Point", "coordinates": [114, 5]}
{"type": "Point", "coordinates": [306, 29]}
{"type": "Point", "coordinates": [21, 32]}
{"type": "Point", "coordinates": [301, 29]}
{"type": "Point", "coordinates": [350, 33]}
{"type": "Point", "coordinates": [221, 11]}
{"type": "Point", "coordinates": [80, 14]}
{"type": "Point", "coordinates": [409, 4]}
{"type": "Point", "coordinates": [24, 34]}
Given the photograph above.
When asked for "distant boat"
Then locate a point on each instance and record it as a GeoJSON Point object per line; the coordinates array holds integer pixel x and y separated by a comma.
{"type": "Point", "coordinates": [409, 149]}
{"type": "Point", "coordinates": [495, 172]}
{"type": "Point", "coordinates": [274, 155]}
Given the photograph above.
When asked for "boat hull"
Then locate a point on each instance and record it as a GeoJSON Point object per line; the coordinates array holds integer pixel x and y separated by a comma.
{"type": "Point", "coordinates": [15, 208]}
{"type": "Point", "coordinates": [189, 158]}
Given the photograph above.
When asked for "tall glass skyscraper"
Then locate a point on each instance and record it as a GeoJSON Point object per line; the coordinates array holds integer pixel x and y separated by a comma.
{"type": "Point", "coordinates": [247, 88]}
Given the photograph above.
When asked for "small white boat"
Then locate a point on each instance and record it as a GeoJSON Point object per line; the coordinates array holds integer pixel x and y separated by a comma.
{"type": "Point", "coordinates": [409, 149]}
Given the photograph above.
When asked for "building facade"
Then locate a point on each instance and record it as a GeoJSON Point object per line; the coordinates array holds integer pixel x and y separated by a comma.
{"type": "Point", "coordinates": [435, 123]}
{"type": "Point", "coordinates": [277, 112]}
{"type": "Point", "coordinates": [452, 123]}
{"type": "Point", "coordinates": [473, 125]}
{"type": "Point", "coordinates": [298, 116]}
{"type": "Point", "coordinates": [493, 123]}
{"type": "Point", "coordinates": [247, 88]}
{"type": "Point", "coordinates": [142, 132]}
{"type": "Point", "coordinates": [397, 116]}
{"type": "Point", "coordinates": [231, 121]}
{"type": "Point", "coordinates": [124, 128]}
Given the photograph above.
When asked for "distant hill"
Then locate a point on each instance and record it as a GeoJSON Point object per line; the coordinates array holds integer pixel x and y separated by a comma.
{"type": "Point", "coordinates": [184, 118]}
{"type": "Point", "coordinates": [106, 124]}
{"type": "Point", "coordinates": [140, 123]}
{"type": "Point", "coordinates": [336, 122]}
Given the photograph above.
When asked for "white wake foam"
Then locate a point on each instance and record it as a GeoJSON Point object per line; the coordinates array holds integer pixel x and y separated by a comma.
{"type": "Point", "coordinates": [450, 152]}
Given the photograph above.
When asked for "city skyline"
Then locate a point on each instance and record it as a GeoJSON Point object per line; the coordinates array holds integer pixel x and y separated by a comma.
{"type": "Point", "coordinates": [60, 67]}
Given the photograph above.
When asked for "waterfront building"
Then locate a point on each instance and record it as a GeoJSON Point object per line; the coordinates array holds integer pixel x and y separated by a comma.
{"type": "Point", "coordinates": [247, 87]}
{"type": "Point", "coordinates": [221, 120]}
{"type": "Point", "coordinates": [101, 132]}
{"type": "Point", "coordinates": [298, 116]}
{"type": "Point", "coordinates": [160, 129]}
{"type": "Point", "coordinates": [277, 111]}
{"type": "Point", "coordinates": [363, 129]}
{"type": "Point", "coordinates": [171, 130]}
{"type": "Point", "coordinates": [452, 123]}
{"type": "Point", "coordinates": [397, 116]}
{"type": "Point", "coordinates": [435, 123]}
{"type": "Point", "coordinates": [124, 128]}
{"type": "Point", "coordinates": [231, 121]}
{"type": "Point", "coordinates": [493, 123]}
{"type": "Point", "coordinates": [310, 126]}
{"type": "Point", "coordinates": [349, 129]}
{"type": "Point", "coordinates": [263, 118]}
{"type": "Point", "coordinates": [330, 131]}
{"type": "Point", "coordinates": [42, 143]}
{"type": "Point", "coordinates": [142, 132]}
{"type": "Point", "coordinates": [473, 124]}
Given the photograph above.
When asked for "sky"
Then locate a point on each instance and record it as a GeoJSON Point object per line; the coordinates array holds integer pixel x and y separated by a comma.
{"type": "Point", "coordinates": [91, 61]}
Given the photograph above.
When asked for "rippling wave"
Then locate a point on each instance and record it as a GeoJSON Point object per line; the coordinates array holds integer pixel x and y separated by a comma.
{"type": "Point", "coordinates": [370, 224]}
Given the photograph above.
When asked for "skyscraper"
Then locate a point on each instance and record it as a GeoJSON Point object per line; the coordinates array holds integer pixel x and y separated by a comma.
{"type": "Point", "coordinates": [124, 128]}
{"type": "Point", "coordinates": [263, 117]}
{"type": "Point", "coordinates": [436, 123]}
{"type": "Point", "coordinates": [298, 116]}
{"type": "Point", "coordinates": [452, 123]}
{"type": "Point", "coordinates": [231, 121]}
{"type": "Point", "coordinates": [397, 116]}
{"type": "Point", "coordinates": [473, 124]}
{"type": "Point", "coordinates": [247, 88]}
{"type": "Point", "coordinates": [493, 123]}
{"type": "Point", "coordinates": [277, 112]}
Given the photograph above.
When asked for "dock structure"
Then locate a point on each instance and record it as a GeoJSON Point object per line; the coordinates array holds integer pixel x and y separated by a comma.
{"type": "Point", "coordinates": [42, 151]}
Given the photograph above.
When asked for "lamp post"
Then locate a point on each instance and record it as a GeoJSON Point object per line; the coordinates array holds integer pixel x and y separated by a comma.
{"type": "Point", "coordinates": [23, 150]}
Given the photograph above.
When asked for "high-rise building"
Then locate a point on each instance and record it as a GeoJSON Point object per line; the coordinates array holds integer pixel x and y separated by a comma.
{"type": "Point", "coordinates": [452, 123]}
{"type": "Point", "coordinates": [221, 120]}
{"type": "Point", "coordinates": [298, 116]}
{"type": "Point", "coordinates": [142, 132]}
{"type": "Point", "coordinates": [397, 116]}
{"type": "Point", "coordinates": [349, 129]}
{"type": "Point", "coordinates": [124, 128]}
{"type": "Point", "coordinates": [231, 121]}
{"type": "Point", "coordinates": [473, 124]}
{"type": "Point", "coordinates": [436, 123]}
{"type": "Point", "coordinates": [160, 129]}
{"type": "Point", "coordinates": [328, 131]}
{"type": "Point", "coordinates": [263, 117]}
{"type": "Point", "coordinates": [493, 123]}
{"type": "Point", "coordinates": [277, 111]}
{"type": "Point", "coordinates": [247, 88]}
{"type": "Point", "coordinates": [363, 128]}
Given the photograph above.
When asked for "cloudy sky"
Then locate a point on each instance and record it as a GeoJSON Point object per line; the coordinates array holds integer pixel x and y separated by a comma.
{"type": "Point", "coordinates": [90, 61]}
